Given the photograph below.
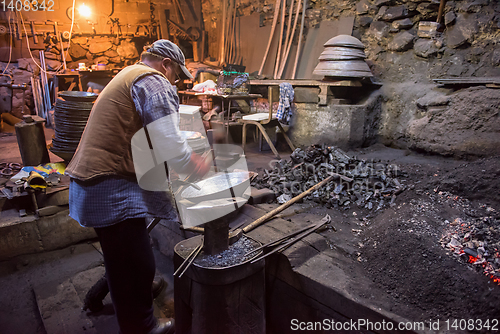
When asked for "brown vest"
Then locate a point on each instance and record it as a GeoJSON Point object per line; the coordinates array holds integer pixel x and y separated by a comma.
{"type": "Point", "coordinates": [105, 145]}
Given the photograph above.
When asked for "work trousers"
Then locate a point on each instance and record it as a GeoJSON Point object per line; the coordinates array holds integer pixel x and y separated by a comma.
{"type": "Point", "coordinates": [130, 270]}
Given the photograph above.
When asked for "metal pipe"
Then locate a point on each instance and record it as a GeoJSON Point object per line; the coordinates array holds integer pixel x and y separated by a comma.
{"type": "Point", "coordinates": [304, 6]}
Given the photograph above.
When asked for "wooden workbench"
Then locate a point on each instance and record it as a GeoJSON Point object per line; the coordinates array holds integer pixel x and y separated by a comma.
{"type": "Point", "coordinates": [323, 85]}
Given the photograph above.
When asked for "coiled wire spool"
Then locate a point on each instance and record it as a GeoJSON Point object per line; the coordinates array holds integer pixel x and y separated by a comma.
{"type": "Point", "coordinates": [70, 117]}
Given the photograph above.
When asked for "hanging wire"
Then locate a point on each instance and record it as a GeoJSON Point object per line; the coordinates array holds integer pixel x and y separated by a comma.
{"type": "Point", "coordinates": [28, 42]}
{"type": "Point", "coordinates": [10, 47]}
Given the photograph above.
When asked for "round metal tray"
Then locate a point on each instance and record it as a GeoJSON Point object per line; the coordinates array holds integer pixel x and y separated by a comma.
{"type": "Point", "coordinates": [216, 186]}
{"type": "Point", "coordinates": [78, 96]}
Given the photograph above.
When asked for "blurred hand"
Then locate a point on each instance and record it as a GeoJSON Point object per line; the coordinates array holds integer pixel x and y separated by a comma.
{"type": "Point", "coordinates": [199, 166]}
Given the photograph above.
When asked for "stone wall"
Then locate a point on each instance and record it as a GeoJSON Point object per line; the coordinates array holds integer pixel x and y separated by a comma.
{"type": "Point", "coordinates": [401, 57]}
{"type": "Point", "coordinates": [114, 52]}
{"type": "Point", "coordinates": [405, 61]}
{"type": "Point", "coordinates": [114, 35]}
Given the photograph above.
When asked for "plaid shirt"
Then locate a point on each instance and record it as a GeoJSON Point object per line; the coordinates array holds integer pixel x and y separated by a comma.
{"type": "Point", "coordinates": [107, 200]}
{"type": "Point", "coordinates": [284, 113]}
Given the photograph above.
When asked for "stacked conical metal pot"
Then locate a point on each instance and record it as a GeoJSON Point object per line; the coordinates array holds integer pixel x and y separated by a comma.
{"type": "Point", "coordinates": [70, 118]}
{"type": "Point", "coordinates": [344, 57]}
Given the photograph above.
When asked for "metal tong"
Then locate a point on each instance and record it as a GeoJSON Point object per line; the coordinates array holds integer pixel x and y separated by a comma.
{"type": "Point", "coordinates": [189, 260]}
{"type": "Point", "coordinates": [288, 240]}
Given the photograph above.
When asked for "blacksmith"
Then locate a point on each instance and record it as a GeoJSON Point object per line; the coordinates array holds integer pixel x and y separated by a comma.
{"type": "Point", "coordinates": [104, 193]}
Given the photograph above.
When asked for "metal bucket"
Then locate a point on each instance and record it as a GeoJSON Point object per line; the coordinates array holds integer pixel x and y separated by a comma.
{"type": "Point", "coordinates": [31, 141]}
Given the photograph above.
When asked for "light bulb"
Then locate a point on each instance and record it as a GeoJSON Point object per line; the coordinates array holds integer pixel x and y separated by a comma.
{"type": "Point", "coordinates": [84, 10]}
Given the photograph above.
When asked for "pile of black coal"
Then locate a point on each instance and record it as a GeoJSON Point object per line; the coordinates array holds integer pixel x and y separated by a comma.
{"type": "Point", "coordinates": [237, 253]}
{"type": "Point", "coordinates": [374, 184]}
{"type": "Point", "coordinates": [476, 241]}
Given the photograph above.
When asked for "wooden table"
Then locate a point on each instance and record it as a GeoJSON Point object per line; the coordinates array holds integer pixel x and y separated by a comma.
{"type": "Point", "coordinates": [225, 99]}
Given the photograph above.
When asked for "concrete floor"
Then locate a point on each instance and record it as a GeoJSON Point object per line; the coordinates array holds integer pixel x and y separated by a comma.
{"type": "Point", "coordinates": [43, 292]}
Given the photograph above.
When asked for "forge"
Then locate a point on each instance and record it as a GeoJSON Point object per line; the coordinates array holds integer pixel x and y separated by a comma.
{"type": "Point", "coordinates": [214, 269]}
{"type": "Point", "coordinates": [208, 293]}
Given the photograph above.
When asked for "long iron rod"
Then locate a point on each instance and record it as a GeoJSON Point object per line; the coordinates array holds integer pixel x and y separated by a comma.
{"type": "Point", "coordinates": [282, 27]}
{"type": "Point", "coordinates": [275, 242]}
{"type": "Point", "coordinates": [288, 28]}
{"type": "Point", "coordinates": [198, 250]}
{"type": "Point", "coordinates": [304, 6]}
{"type": "Point", "coordinates": [187, 260]}
{"type": "Point", "coordinates": [282, 207]}
{"type": "Point", "coordinates": [223, 32]}
{"type": "Point", "coordinates": [273, 28]}
{"type": "Point", "coordinates": [323, 221]}
{"type": "Point", "coordinates": [285, 58]}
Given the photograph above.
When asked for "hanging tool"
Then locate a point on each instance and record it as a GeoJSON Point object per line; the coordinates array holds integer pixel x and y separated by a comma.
{"type": "Point", "coordinates": [19, 33]}
{"type": "Point", "coordinates": [178, 10]}
{"type": "Point", "coordinates": [191, 9]}
{"type": "Point", "coordinates": [115, 22]}
{"type": "Point", "coordinates": [56, 31]}
{"type": "Point", "coordinates": [176, 30]}
{"type": "Point", "coordinates": [33, 32]}
{"type": "Point", "coordinates": [3, 30]}
{"type": "Point", "coordinates": [153, 23]}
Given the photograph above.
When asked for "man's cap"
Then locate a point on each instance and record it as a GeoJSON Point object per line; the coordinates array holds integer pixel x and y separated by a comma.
{"type": "Point", "coordinates": [166, 49]}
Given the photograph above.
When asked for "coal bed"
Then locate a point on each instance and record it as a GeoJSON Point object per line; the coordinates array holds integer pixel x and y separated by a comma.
{"type": "Point", "coordinates": [207, 297]}
{"type": "Point", "coordinates": [236, 253]}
